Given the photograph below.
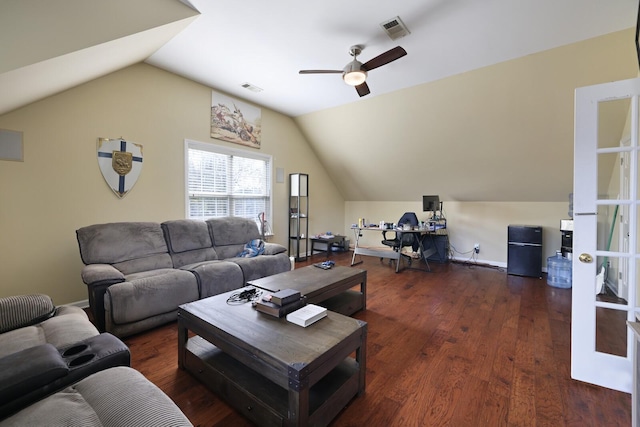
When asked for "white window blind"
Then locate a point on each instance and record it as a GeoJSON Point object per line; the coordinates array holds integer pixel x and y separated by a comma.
{"type": "Point", "coordinates": [227, 182]}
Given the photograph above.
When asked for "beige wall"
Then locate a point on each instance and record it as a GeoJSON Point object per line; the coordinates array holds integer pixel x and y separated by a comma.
{"type": "Point", "coordinates": [500, 133]}
{"type": "Point", "coordinates": [469, 223]}
{"type": "Point", "coordinates": [59, 188]}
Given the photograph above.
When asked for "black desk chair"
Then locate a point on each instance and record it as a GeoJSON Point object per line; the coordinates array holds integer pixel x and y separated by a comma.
{"type": "Point", "coordinates": [400, 240]}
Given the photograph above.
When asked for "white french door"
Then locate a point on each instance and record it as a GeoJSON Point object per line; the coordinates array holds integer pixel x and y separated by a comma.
{"type": "Point", "coordinates": [606, 251]}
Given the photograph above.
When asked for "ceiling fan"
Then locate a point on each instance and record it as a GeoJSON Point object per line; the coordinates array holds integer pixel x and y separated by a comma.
{"type": "Point", "coordinates": [355, 72]}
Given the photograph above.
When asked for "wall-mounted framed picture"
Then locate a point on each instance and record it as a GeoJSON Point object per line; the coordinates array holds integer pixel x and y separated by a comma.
{"type": "Point", "coordinates": [235, 121]}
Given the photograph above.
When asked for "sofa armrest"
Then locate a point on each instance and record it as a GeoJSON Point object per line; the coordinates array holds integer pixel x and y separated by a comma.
{"type": "Point", "coordinates": [24, 310]}
{"type": "Point", "coordinates": [98, 278]}
{"type": "Point", "coordinates": [273, 249]}
{"type": "Point", "coordinates": [29, 369]}
{"type": "Point", "coordinates": [101, 273]}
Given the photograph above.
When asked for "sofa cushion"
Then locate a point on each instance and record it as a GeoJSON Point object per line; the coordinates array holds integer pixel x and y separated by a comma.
{"type": "Point", "coordinates": [154, 262]}
{"type": "Point", "coordinates": [128, 246]}
{"type": "Point", "coordinates": [186, 235]}
{"type": "Point", "coordinates": [262, 266]}
{"type": "Point", "coordinates": [189, 241]}
{"type": "Point", "coordinates": [24, 310]}
{"type": "Point", "coordinates": [148, 294]}
{"type": "Point", "coordinates": [273, 248]}
{"type": "Point", "coordinates": [116, 397]}
{"type": "Point", "coordinates": [69, 325]}
{"type": "Point", "coordinates": [216, 277]}
{"type": "Point", "coordinates": [232, 230]}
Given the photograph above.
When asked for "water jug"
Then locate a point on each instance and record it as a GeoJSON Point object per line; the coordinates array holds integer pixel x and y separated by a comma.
{"type": "Point", "coordinates": [559, 271]}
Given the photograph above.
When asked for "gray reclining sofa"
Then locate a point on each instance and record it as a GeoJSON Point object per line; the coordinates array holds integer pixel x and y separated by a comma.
{"type": "Point", "coordinates": [138, 273]}
{"type": "Point", "coordinates": [56, 369]}
{"type": "Point", "coordinates": [115, 397]}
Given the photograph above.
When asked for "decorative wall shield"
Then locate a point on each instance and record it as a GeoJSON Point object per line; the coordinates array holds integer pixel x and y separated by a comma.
{"type": "Point", "coordinates": [120, 162]}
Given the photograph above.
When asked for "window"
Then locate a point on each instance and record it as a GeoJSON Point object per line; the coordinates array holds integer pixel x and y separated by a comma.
{"type": "Point", "coordinates": [224, 181]}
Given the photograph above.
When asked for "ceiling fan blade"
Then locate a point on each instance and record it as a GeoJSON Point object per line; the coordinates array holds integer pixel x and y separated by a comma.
{"type": "Point", "coordinates": [363, 89]}
{"type": "Point", "coordinates": [320, 72]}
{"type": "Point", "coordinates": [384, 58]}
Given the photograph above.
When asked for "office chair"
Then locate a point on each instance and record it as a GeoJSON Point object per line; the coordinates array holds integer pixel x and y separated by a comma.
{"type": "Point", "coordinates": [402, 239]}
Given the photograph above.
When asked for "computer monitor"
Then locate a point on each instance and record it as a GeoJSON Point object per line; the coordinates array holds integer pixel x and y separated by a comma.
{"type": "Point", "coordinates": [430, 204]}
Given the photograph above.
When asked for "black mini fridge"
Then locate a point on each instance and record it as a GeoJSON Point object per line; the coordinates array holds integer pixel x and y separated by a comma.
{"type": "Point", "coordinates": [524, 257]}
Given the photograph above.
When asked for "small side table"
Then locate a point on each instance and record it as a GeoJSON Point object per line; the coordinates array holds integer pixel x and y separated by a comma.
{"type": "Point", "coordinates": [329, 241]}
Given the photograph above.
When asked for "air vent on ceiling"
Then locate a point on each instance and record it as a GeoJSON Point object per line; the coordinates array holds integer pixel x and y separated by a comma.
{"type": "Point", "coordinates": [395, 28]}
{"type": "Point", "coordinates": [251, 87]}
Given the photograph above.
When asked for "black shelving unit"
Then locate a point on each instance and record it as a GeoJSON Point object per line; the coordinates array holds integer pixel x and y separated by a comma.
{"type": "Point", "coordinates": [298, 215]}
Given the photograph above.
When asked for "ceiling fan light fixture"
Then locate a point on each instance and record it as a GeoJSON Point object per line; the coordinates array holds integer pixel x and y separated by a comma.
{"type": "Point", "coordinates": [355, 78]}
{"type": "Point", "coordinates": [353, 74]}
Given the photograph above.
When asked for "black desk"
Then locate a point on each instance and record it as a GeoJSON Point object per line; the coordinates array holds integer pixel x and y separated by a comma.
{"type": "Point", "coordinates": [438, 240]}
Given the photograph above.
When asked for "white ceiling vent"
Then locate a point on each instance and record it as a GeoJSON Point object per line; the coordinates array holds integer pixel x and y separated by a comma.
{"type": "Point", "coordinates": [251, 87]}
{"type": "Point", "coordinates": [395, 28]}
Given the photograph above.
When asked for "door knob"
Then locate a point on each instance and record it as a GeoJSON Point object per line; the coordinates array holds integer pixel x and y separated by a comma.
{"type": "Point", "coordinates": [586, 258]}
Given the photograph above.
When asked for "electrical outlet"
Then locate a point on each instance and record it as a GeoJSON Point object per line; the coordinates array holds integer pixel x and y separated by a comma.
{"type": "Point", "coordinates": [476, 248]}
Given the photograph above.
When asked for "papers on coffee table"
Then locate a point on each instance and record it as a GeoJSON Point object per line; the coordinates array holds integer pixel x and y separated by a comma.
{"type": "Point", "coordinates": [307, 315]}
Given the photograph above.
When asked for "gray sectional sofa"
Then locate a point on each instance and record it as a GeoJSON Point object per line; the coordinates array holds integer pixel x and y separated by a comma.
{"type": "Point", "coordinates": [138, 273]}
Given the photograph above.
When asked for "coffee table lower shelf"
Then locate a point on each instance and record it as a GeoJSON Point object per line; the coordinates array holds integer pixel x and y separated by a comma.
{"type": "Point", "coordinates": [261, 400]}
{"type": "Point", "coordinates": [347, 302]}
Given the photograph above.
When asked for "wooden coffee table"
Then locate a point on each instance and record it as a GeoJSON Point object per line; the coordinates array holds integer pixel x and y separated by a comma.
{"type": "Point", "coordinates": [273, 371]}
{"type": "Point", "coordinates": [328, 288]}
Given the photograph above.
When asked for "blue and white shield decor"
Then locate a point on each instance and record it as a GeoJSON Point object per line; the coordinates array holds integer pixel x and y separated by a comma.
{"type": "Point", "coordinates": [120, 162]}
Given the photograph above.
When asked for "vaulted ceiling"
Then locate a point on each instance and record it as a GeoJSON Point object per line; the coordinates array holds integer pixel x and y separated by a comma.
{"type": "Point", "coordinates": [224, 44]}
{"type": "Point", "coordinates": [430, 124]}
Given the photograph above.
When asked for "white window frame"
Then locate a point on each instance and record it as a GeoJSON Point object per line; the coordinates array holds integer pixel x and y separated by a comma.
{"type": "Point", "coordinates": [220, 149]}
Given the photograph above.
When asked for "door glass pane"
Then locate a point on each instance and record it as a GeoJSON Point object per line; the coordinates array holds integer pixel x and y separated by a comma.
{"type": "Point", "coordinates": [612, 118]}
{"type": "Point", "coordinates": [607, 239]}
{"type": "Point", "coordinates": [609, 186]}
{"type": "Point", "coordinates": [609, 286]}
{"type": "Point", "coordinates": [611, 331]}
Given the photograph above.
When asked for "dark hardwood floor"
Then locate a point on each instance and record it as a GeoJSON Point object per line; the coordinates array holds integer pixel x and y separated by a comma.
{"type": "Point", "coordinates": [460, 346]}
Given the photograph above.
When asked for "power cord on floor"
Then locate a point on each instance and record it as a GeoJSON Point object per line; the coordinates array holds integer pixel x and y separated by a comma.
{"type": "Point", "coordinates": [473, 255]}
{"type": "Point", "coordinates": [472, 261]}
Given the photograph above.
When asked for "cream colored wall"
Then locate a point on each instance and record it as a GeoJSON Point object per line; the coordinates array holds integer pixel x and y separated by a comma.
{"type": "Point", "coordinates": [469, 223]}
{"type": "Point", "coordinates": [59, 188]}
{"type": "Point", "coordinates": [500, 133]}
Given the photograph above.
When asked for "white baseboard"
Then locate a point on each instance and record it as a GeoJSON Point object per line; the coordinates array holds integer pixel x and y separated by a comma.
{"type": "Point", "coordinates": [480, 262]}
{"type": "Point", "coordinates": [487, 263]}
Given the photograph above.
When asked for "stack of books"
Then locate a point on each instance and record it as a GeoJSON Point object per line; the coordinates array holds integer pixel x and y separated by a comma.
{"type": "Point", "coordinates": [281, 303]}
